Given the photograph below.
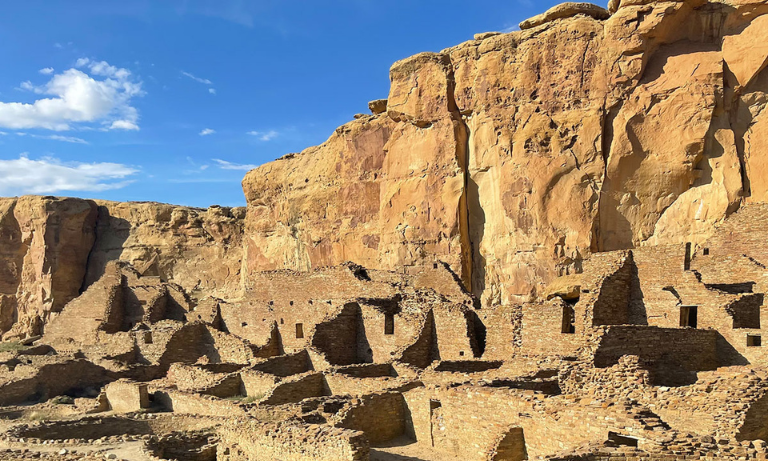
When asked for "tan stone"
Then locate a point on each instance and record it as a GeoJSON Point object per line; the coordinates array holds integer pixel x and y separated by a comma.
{"type": "Point", "coordinates": [746, 53]}
{"type": "Point", "coordinates": [378, 106]}
{"type": "Point", "coordinates": [565, 10]}
{"type": "Point", "coordinates": [566, 287]}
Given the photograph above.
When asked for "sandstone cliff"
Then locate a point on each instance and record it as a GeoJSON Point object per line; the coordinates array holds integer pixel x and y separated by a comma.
{"type": "Point", "coordinates": [52, 249]}
{"type": "Point", "coordinates": [510, 158]}
{"type": "Point", "coordinates": [514, 156]}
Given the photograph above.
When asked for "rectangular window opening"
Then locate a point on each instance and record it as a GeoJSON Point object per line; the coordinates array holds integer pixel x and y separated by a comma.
{"type": "Point", "coordinates": [569, 316]}
{"type": "Point", "coordinates": [299, 330]}
{"type": "Point", "coordinates": [689, 316]}
{"type": "Point", "coordinates": [754, 341]}
{"type": "Point", "coordinates": [389, 324]}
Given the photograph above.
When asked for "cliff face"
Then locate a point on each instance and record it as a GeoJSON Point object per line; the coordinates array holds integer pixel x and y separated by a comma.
{"type": "Point", "coordinates": [51, 249]}
{"type": "Point", "coordinates": [514, 156]}
{"type": "Point", "coordinates": [510, 158]}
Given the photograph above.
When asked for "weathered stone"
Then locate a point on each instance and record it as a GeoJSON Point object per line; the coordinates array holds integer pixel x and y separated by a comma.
{"type": "Point", "coordinates": [378, 106]}
{"type": "Point", "coordinates": [565, 10]}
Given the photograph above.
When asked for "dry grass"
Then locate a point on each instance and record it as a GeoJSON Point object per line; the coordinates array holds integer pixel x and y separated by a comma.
{"type": "Point", "coordinates": [11, 346]}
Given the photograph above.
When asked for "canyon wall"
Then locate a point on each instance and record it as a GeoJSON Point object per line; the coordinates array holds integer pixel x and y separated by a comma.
{"type": "Point", "coordinates": [51, 249]}
{"type": "Point", "coordinates": [512, 157]}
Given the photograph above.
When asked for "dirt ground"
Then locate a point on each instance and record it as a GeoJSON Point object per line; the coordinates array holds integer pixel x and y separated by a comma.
{"type": "Point", "coordinates": [406, 449]}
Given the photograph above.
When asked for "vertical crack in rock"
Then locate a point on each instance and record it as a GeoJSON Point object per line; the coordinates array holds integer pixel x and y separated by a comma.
{"type": "Point", "coordinates": [89, 258]}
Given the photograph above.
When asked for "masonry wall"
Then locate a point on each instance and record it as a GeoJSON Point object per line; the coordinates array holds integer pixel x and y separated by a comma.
{"type": "Point", "coordinates": [470, 422]}
{"type": "Point", "coordinates": [51, 380]}
{"type": "Point", "coordinates": [375, 343]}
{"type": "Point", "coordinates": [504, 333]}
{"type": "Point", "coordinates": [672, 355]}
{"type": "Point", "coordinates": [337, 337]}
{"type": "Point", "coordinates": [381, 416]}
{"type": "Point", "coordinates": [197, 339]}
{"type": "Point", "coordinates": [248, 440]}
{"type": "Point", "coordinates": [296, 389]}
{"type": "Point", "coordinates": [126, 397]}
{"type": "Point", "coordinates": [542, 330]}
{"type": "Point", "coordinates": [194, 404]}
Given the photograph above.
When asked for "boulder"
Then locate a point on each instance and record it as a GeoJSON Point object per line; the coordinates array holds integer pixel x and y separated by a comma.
{"type": "Point", "coordinates": [565, 10]}
{"type": "Point", "coordinates": [378, 106]}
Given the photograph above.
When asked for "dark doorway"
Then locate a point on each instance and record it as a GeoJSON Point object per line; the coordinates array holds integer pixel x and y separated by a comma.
{"type": "Point", "coordinates": [389, 324]}
{"type": "Point", "coordinates": [689, 316]}
{"type": "Point", "coordinates": [569, 317]}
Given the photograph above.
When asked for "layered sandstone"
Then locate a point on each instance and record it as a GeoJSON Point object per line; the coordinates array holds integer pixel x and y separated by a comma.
{"type": "Point", "coordinates": [513, 157]}
{"type": "Point", "coordinates": [510, 158]}
{"type": "Point", "coordinates": [52, 249]}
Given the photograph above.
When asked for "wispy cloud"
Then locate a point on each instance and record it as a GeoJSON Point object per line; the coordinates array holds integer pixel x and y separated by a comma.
{"type": "Point", "coordinates": [204, 81]}
{"type": "Point", "coordinates": [94, 92]}
{"type": "Point", "coordinates": [207, 132]}
{"type": "Point", "coordinates": [46, 71]}
{"type": "Point", "coordinates": [510, 28]}
{"type": "Point", "coordinates": [56, 137]}
{"type": "Point", "coordinates": [50, 175]}
{"type": "Point", "coordinates": [224, 165]}
{"type": "Point", "coordinates": [196, 168]}
{"type": "Point", "coordinates": [264, 135]}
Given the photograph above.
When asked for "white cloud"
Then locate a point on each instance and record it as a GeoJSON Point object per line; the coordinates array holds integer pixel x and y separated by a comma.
{"type": "Point", "coordinates": [49, 175]}
{"type": "Point", "coordinates": [265, 135]}
{"type": "Point", "coordinates": [224, 165]}
{"type": "Point", "coordinates": [124, 125]}
{"type": "Point", "coordinates": [207, 132]}
{"type": "Point", "coordinates": [55, 137]}
{"type": "Point", "coordinates": [78, 98]}
{"type": "Point", "coordinates": [204, 81]}
{"type": "Point", "coordinates": [212, 90]}
{"type": "Point", "coordinates": [46, 71]}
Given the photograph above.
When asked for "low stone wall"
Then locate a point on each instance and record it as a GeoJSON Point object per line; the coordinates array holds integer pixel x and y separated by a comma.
{"type": "Point", "coordinates": [193, 404]}
{"type": "Point", "coordinates": [673, 356]}
{"type": "Point", "coordinates": [296, 389]}
{"type": "Point", "coordinates": [248, 440]}
{"type": "Point", "coordinates": [285, 365]}
{"type": "Point", "coordinates": [380, 416]}
{"type": "Point", "coordinates": [125, 396]}
{"type": "Point", "coordinates": [53, 379]}
{"type": "Point", "coordinates": [337, 384]}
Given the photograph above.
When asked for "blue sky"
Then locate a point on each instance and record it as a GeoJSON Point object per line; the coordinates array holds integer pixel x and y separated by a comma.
{"type": "Point", "coordinates": [173, 101]}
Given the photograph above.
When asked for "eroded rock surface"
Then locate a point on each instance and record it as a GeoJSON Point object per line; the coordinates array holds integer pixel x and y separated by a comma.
{"type": "Point", "coordinates": [52, 249]}
{"type": "Point", "coordinates": [513, 157]}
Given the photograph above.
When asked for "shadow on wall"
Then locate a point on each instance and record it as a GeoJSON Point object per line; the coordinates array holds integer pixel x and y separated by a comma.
{"type": "Point", "coordinates": [111, 235]}
{"type": "Point", "coordinates": [638, 314]}
{"type": "Point", "coordinates": [727, 355]}
{"type": "Point", "coordinates": [476, 224]}
{"type": "Point", "coordinates": [478, 345]}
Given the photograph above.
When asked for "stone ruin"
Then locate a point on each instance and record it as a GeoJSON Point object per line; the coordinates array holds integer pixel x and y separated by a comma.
{"type": "Point", "coordinates": [541, 254]}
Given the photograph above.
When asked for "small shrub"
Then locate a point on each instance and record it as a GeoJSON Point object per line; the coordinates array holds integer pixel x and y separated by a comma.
{"type": "Point", "coordinates": [11, 346]}
{"type": "Point", "coordinates": [62, 400]}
